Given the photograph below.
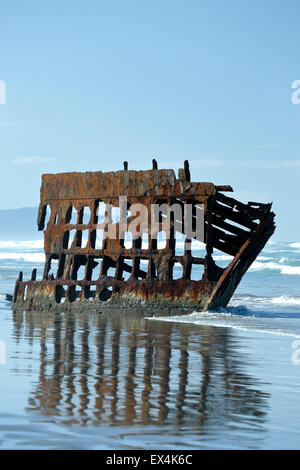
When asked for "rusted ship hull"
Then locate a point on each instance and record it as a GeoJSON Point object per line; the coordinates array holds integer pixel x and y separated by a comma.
{"type": "Point", "coordinates": [236, 229]}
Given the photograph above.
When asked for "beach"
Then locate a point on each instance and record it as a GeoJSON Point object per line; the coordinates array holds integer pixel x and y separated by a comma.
{"type": "Point", "coordinates": [210, 380]}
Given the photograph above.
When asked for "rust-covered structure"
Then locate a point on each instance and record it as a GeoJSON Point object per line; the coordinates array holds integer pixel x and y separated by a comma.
{"type": "Point", "coordinates": [84, 271]}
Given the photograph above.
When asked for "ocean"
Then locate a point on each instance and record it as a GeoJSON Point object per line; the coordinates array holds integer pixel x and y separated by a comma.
{"type": "Point", "coordinates": [212, 380]}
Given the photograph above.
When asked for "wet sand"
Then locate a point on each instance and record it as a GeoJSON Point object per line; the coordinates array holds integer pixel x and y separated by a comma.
{"type": "Point", "coordinates": [91, 381]}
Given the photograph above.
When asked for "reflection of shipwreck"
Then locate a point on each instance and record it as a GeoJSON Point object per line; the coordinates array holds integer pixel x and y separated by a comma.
{"type": "Point", "coordinates": [106, 273]}
{"type": "Point", "coordinates": [95, 369]}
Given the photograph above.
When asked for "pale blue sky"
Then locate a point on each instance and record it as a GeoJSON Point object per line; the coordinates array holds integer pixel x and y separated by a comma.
{"type": "Point", "coordinates": [92, 83]}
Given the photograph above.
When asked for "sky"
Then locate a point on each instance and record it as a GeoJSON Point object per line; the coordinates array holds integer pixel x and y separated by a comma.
{"type": "Point", "coordinates": [92, 83]}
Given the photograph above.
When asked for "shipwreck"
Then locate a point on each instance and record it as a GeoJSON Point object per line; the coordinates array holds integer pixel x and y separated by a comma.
{"type": "Point", "coordinates": [97, 260]}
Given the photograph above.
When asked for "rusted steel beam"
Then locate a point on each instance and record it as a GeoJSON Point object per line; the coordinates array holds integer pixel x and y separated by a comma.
{"type": "Point", "coordinates": [224, 188]}
{"type": "Point", "coordinates": [219, 221]}
{"type": "Point", "coordinates": [239, 217]}
{"type": "Point", "coordinates": [233, 274]}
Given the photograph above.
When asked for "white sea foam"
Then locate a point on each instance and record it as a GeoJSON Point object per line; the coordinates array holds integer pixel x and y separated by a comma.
{"type": "Point", "coordinates": [27, 244]}
{"type": "Point", "coordinates": [252, 301]}
{"type": "Point", "coordinates": [285, 300]}
{"type": "Point", "coordinates": [230, 258]}
{"type": "Point", "coordinates": [28, 257]}
{"type": "Point", "coordinates": [225, 320]}
{"type": "Point", "coordinates": [223, 258]}
{"type": "Point", "coordinates": [295, 245]}
{"type": "Point", "coordinates": [283, 268]}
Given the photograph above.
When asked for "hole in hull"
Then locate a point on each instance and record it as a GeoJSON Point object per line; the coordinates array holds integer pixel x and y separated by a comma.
{"type": "Point", "coordinates": [105, 294]}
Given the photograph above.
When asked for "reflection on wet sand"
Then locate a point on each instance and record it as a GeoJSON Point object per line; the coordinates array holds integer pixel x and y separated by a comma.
{"type": "Point", "coordinates": [126, 371]}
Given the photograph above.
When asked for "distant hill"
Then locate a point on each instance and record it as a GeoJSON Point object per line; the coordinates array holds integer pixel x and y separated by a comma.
{"type": "Point", "coordinates": [19, 224]}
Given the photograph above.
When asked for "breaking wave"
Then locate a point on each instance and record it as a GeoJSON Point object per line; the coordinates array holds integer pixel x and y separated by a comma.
{"type": "Point", "coordinates": [23, 251]}
{"type": "Point", "coordinates": [252, 301]}
{"type": "Point", "coordinates": [273, 266]}
{"type": "Point", "coordinates": [295, 245]}
{"type": "Point", "coordinates": [26, 244]}
{"type": "Point", "coordinates": [229, 320]}
{"type": "Point", "coordinates": [285, 300]}
{"type": "Point", "coordinates": [28, 257]}
{"type": "Point", "coordinates": [274, 315]}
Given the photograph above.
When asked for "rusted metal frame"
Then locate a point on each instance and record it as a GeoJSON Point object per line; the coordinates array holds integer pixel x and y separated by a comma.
{"type": "Point", "coordinates": [210, 271]}
{"type": "Point", "coordinates": [231, 244]}
{"type": "Point", "coordinates": [158, 256]}
{"type": "Point", "coordinates": [170, 243]}
{"type": "Point", "coordinates": [170, 235]}
{"type": "Point", "coordinates": [208, 229]}
{"type": "Point", "coordinates": [76, 265]}
{"type": "Point", "coordinates": [17, 287]}
{"type": "Point", "coordinates": [135, 255]}
{"type": "Point", "coordinates": [190, 200]}
{"type": "Point", "coordinates": [47, 266]}
{"type": "Point", "coordinates": [76, 242]}
{"type": "Point", "coordinates": [244, 258]}
{"type": "Point", "coordinates": [233, 240]}
{"type": "Point", "coordinates": [84, 250]}
{"type": "Point", "coordinates": [265, 208]}
{"type": "Point", "coordinates": [238, 217]}
{"type": "Point", "coordinates": [92, 264]}
{"type": "Point", "coordinates": [225, 247]}
{"type": "Point", "coordinates": [151, 268]}
{"type": "Point", "coordinates": [151, 186]}
{"type": "Point", "coordinates": [255, 213]}
{"type": "Point", "coordinates": [219, 221]}
{"type": "Point", "coordinates": [143, 289]}
{"type": "Point", "coordinates": [103, 281]}
{"type": "Point", "coordinates": [135, 197]}
{"type": "Point", "coordinates": [226, 188]}
{"type": "Point", "coordinates": [253, 208]}
{"type": "Point", "coordinates": [187, 266]}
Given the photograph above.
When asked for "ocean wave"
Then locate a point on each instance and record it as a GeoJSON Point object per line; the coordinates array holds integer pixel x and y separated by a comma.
{"type": "Point", "coordinates": [295, 245]}
{"type": "Point", "coordinates": [250, 313]}
{"type": "Point", "coordinates": [225, 319]}
{"type": "Point", "coordinates": [253, 301]}
{"type": "Point", "coordinates": [27, 244]}
{"type": "Point", "coordinates": [222, 257]}
{"type": "Point", "coordinates": [28, 257]}
{"type": "Point", "coordinates": [283, 268]}
{"type": "Point", "coordinates": [285, 300]}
